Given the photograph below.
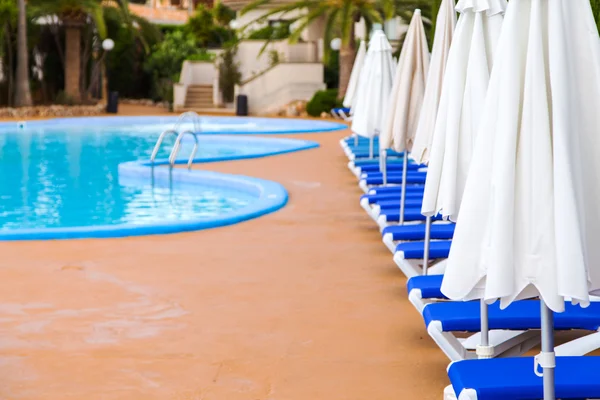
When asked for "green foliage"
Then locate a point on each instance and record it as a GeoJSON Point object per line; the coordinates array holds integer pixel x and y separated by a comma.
{"type": "Point", "coordinates": [229, 73]}
{"type": "Point", "coordinates": [274, 58]}
{"type": "Point", "coordinates": [271, 32]}
{"type": "Point", "coordinates": [223, 15]}
{"type": "Point", "coordinates": [207, 27]}
{"type": "Point", "coordinates": [166, 60]}
{"type": "Point", "coordinates": [323, 101]}
{"type": "Point", "coordinates": [203, 55]}
{"type": "Point", "coordinates": [125, 62]}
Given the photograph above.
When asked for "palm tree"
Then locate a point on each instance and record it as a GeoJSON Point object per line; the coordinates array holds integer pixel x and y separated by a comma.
{"type": "Point", "coordinates": [8, 20]}
{"type": "Point", "coordinates": [74, 15]}
{"type": "Point", "coordinates": [23, 92]}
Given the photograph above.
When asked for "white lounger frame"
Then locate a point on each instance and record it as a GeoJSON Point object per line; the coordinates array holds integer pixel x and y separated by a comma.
{"type": "Point", "coordinates": [414, 267]}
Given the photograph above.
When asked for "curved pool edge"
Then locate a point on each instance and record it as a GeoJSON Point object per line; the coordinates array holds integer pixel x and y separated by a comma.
{"type": "Point", "coordinates": [311, 125]}
{"type": "Point", "coordinates": [271, 195]}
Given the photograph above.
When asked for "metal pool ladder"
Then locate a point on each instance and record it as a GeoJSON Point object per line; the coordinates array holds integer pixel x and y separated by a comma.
{"type": "Point", "coordinates": [177, 146]}
{"type": "Point", "coordinates": [173, 156]}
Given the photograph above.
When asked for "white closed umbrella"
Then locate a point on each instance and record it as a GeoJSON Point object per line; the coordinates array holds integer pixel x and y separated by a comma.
{"type": "Point", "coordinates": [402, 113]}
{"type": "Point", "coordinates": [529, 223]}
{"type": "Point", "coordinates": [463, 94]}
{"type": "Point", "coordinates": [355, 74]}
{"type": "Point", "coordinates": [444, 31]}
{"type": "Point", "coordinates": [374, 88]}
{"type": "Point", "coordinates": [404, 108]}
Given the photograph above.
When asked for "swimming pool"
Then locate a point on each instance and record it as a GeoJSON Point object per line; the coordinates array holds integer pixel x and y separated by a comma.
{"type": "Point", "coordinates": [94, 180]}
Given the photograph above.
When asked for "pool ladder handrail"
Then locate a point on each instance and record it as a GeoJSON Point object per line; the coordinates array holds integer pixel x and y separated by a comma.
{"type": "Point", "coordinates": [196, 120]}
{"type": "Point", "coordinates": [177, 146]}
{"type": "Point", "coordinates": [159, 142]}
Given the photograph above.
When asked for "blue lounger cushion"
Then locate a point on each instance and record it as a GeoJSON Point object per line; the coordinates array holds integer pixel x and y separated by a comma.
{"type": "Point", "coordinates": [521, 315]}
{"type": "Point", "coordinates": [391, 167]}
{"type": "Point", "coordinates": [376, 198]}
{"type": "Point", "coordinates": [343, 109]}
{"type": "Point", "coordinates": [429, 286]}
{"type": "Point", "coordinates": [369, 162]}
{"type": "Point", "coordinates": [514, 379]}
{"type": "Point", "coordinates": [410, 214]}
{"type": "Point", "coordinates": [396, 189]}
{"type": "Point", "coordinates": [350, 139]}
{"type": "Point", "coordinates": [416, 250]}
{"type": "Point", "coordinates": [417, 232]}
{"type": "Point", "coordinates": [364, 152]}
{"type": "Point", "coordinates": [411, 178]}
{"type": "Point", "coordinates": [412, 202]}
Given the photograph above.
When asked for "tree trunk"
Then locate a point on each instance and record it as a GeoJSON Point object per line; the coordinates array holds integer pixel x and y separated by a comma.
{"type": "Point", "coordinates": [73, 62]}
{"type": "Point", "coordinates": [347, 55]}
{"type": "Point", "coordinates": [9, 66]}
{"type": "Point", "coordinates": [23, 93]}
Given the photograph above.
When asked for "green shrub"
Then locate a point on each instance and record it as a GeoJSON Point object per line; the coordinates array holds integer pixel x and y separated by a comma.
{"type": "Point", "coordinates": [166, 61]}
{"type": "Point", "coordinates": [229, 73]}
{"type": "Point", "coordinates": [207, 27]}
{"type": "Point", "coordinates": [323, 101]}
{"type": "Point", "coordinates": [203, 55]}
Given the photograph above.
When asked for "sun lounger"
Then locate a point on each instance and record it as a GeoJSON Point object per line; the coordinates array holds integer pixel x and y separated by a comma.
{"type": "Point", "coordinates": [394, 189]}
{"type": "Point", "coordinates": [412, 178]}
{"type": "Point", "coordinates": [358, 167]}
{"type": "Point", "coordinates": [390, 216]}
{"type": "Point", "coordinates": [411, 201]}
{"type": "Point", "coordinates": [409, 257]}
{"type": "Point", "coordinates": [341, 112]}
{"type": "Point", "coordinates": [370, 202]}
{"type": "Point", "coordinates": [513, 331]}
{"type": "Point", "coordinates": [576, 378]}
{"type": "Point", "coordinates": [394, 234]}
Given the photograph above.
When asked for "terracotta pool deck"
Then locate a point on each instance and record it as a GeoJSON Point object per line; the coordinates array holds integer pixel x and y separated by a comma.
{"type": "Point", "coordinates": [302, 304]}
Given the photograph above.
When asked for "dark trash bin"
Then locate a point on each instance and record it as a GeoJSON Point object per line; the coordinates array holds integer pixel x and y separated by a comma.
{"type": "Point", "coordinates": [241, 108]}
{"type": "Point", "coordinates": [113, 103]}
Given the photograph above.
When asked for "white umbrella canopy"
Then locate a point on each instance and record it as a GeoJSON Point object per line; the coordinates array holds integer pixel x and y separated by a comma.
{"type": "Point", "coordinates": [530, 222]}
{"type": "Point", "coordinates": [444, 30]}
{"type": "Point", "coordinates": [374, 87]}
{"type": "Point", "coordinates": [404, 107]}
{"type": "Point", "coordinates": [463, 95]}
{"type": "Point", "coordinates": [355, 74]}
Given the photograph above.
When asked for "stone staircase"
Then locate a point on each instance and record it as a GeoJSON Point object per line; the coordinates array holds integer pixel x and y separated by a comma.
{"type": "Point", "coordinates": [199, 97]}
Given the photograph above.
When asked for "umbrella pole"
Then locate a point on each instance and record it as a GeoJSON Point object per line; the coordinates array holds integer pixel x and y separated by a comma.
{"type": "Point", "coordinates": [547, 358]}
{"type": "Point", "coordinates": [371, 145]}
{"type": "Point", "coordinates": [383, 164]}
{"type": "Point", "coordinates": [356, 140]}
{"type": "Point", "coordinates": [484, 350]}
{"type": "Point", "coordinates": [427, 241]}
{"type": "Point", "coordinates": [403, 193]}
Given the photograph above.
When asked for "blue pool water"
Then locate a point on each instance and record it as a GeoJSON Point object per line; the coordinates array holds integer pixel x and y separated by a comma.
{"type": "Point", "coordinates": [54, 177]}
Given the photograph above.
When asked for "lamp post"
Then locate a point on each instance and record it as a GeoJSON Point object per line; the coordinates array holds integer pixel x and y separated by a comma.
{"type": "Point", "coordinates": [107, 45]}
